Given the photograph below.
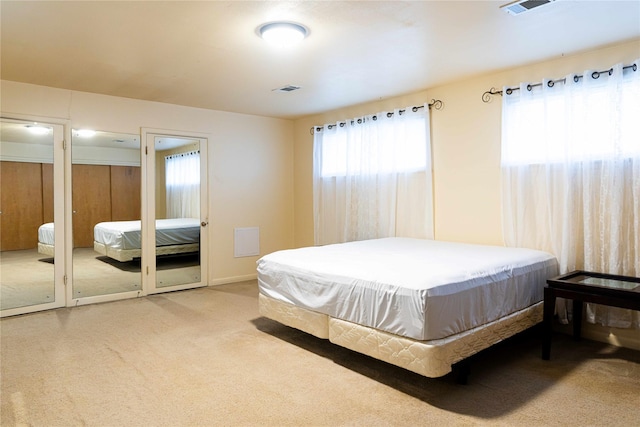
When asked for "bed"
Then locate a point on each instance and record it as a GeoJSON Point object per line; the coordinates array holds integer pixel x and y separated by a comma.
{"type": "Point", "coordinates": [423, 305]}
{"type": "Point", "coordinates": [121, 240]}
{"type": "Point", "coordinates": [45, 239]}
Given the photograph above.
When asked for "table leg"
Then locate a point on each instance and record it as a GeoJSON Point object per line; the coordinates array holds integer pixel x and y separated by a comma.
{"type": "Point", "coordinates": [547, 321]}
{"type": "Point", "coordinates": [577, 319]}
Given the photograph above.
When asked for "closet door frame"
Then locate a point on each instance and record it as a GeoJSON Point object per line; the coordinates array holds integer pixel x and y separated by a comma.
{"type": "Point", "coordinates": [61, 138]}
{"type": "Point", "coordinates": [148, 264]}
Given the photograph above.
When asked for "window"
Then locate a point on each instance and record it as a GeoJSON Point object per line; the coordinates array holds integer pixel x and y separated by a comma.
{"type": "Point", "coordinates": [581, 121]}
{"type": "Point", "coordinates": [372, 178]}
{"type": "Point", "coordinates": [183, 169]}
{"type": "Point", "coordinates": [182, 178]}
{"type": "Point", "coordinates": [352, 151]}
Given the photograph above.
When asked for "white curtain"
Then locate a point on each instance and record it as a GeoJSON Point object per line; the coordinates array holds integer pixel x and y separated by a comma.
{"type": "Point", "coordinates": [183, 185]}
{"type": "Point", "coordinates": [372, 177]}
{"type": "Point", "coordinates": [571, 176]}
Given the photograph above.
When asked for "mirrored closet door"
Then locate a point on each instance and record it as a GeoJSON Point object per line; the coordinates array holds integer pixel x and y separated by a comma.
{"type": "Point", "coordinates": [106, 215]}
{"type": "Point", "coordinates": [177, 204]}
{"type": "Point", "coordinates": [31, 216]}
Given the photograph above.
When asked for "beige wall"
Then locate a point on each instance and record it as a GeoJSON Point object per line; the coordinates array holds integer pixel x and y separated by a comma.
{"type": "Point", "coordinates": [466, 153]}
{"type": "Point", "coordinates": [250, 161]}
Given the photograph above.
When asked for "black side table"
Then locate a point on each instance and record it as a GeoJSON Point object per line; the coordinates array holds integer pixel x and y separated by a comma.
{"type": "Point", "coordinates": [586, 286]}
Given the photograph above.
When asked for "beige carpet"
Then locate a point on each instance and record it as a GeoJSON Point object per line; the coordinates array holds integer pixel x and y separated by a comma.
{"type": "Point", "coordinates": [205, 357]}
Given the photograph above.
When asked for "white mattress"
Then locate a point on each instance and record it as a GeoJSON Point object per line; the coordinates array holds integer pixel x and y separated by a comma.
{"type": "Point", "coordinates": [126, 234]}
{"type": "Point", "coordinates": [420, 289]}
{"type": "Point", "coordinates": [45, 233]}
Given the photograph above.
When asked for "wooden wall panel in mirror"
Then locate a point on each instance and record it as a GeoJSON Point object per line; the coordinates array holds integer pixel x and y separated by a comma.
{"type": "Point", "coordinates": [125, 193]}
{"type": "Point", "coordinates": [91, 201]}
{"type": "Point", "coordinates": [21, 205]}
{"type": "Point", "coordinates": [47, 192]}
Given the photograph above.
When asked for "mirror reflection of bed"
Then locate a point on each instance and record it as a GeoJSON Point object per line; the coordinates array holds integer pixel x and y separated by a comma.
{"type": "Point", "coordinates": [106, 182]}
{"type": "Point", "coordinates": [106, 216]}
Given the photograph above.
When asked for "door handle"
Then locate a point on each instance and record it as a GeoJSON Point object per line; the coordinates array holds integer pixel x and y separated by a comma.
{"type": "Point", "coordinates": [204, 223]}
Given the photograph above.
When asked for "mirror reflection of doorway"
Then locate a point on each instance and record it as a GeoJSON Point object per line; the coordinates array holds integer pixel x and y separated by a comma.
{"type": "Point", "coordinates": [29, 164]}
{"type": "Point", "coordinates": [106, 211]}
{"type": "Point", "coordinates": [178, 211]}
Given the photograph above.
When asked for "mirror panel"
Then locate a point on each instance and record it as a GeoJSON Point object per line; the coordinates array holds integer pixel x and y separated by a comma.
{"type": "Point", "coordinates": [177, 225]}
{"type": "Point", "coordinates": [106, 209]}
{"type": "Point", "coordinates": [26, 214]}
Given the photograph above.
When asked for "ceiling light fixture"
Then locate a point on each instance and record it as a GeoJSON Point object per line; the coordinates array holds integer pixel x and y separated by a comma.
{"type": "Point", "coordinates": [520, 6]}
{"type": "Point", "coordinates": [282, 34]}
{"type": "Point", "coordinates": [37, 129]}
{"type": "Point", "coordinates": [85, 133]}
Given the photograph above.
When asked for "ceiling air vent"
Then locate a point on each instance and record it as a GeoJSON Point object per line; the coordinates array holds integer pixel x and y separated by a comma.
{"type": "Point", "coordinates": [521, 6]}
{"type": "Point", "coordinates": [287, 88]}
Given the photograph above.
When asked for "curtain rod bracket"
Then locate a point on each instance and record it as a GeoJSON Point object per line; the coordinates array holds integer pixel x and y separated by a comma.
{"type": "Point", "coordinates": [486, 97]}
{"type": "Point", "coordinates": [436, 103]}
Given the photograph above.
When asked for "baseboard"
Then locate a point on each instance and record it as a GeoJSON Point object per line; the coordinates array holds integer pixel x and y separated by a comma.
{"type": "Point", "coordinates": [627, 338]}
{"type": "Point", "coordinates": [233, 279]}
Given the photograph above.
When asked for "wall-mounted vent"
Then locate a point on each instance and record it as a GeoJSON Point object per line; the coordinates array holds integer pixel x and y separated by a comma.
{"type": "Point", "coordinates": [287, 88]}
{"type": "Point", "coordinates": [521, 6]}
{"type": "Point", "coordinates": [246, 242]}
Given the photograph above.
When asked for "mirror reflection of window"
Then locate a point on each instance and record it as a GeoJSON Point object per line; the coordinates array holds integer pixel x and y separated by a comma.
{"type": "Point", "coordinates": [106, 181]}
{"type": "Point", "coordinates": [183, 184]}
{"type": "Point", "coordinates": [26, 214]}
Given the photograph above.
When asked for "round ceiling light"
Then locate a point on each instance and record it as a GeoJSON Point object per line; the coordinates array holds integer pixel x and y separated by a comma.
{"type": "Point", "coordinates": [36, 129]}
{"type": "Point", "coordinates": [85, 133]}
{"type": "Point", "coordinates": [282, 33]}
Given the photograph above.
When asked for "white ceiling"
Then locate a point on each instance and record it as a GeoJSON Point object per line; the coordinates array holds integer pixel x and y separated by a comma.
{"type": "Point", "coordinates": [207, 54]}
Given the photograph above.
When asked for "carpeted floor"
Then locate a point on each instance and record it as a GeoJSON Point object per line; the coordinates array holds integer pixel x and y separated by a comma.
{"type": "Point", "coordinates": [205, 357]}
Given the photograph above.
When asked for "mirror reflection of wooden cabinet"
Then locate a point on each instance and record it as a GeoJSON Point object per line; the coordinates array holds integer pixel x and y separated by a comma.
{"type": "Point", "coordinates": [26, 203]}
{"type": "Point", "coordinates": [125, 193]}
{"type": "Point", "coordinates": [47, 192]}
{"type": "Point", "coordinates": [103, 193]}
{"type": "Point", "coordinates": [91, 201]}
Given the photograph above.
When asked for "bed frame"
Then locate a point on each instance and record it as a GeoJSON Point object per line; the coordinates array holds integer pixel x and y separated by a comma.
{"type": "Point", "coordinates": [123, 255]}
{"type": "Point", "coordinates": [433, 358]}
{"type": "Point", "coordinates": [45, 249]}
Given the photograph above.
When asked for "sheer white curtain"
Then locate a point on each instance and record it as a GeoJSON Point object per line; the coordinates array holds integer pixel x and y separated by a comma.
{"type": "Point", "coordinates": [372, 177]}
{"type": "Point", "coordinates": [571, 176]}
{"type": "Point", "coordinates": [183, 185]}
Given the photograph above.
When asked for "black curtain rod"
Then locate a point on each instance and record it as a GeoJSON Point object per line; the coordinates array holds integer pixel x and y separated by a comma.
{"type": "Point", "coordinates": [435, 103]}
{"type": "Point", "coordinates": [486, 97]}
{"type": "Point", "coordinates": [172, 156]}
